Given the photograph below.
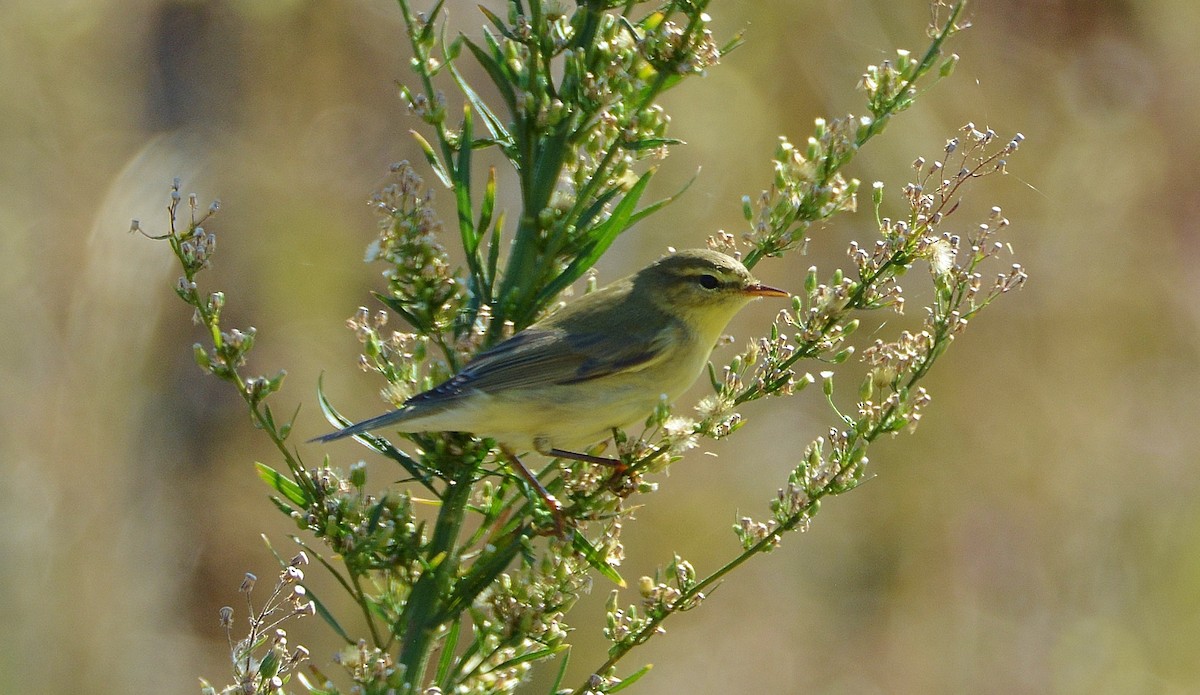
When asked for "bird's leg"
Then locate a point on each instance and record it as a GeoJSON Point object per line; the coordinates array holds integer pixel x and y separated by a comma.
{"type": "Point", "coordinates": [618, 482]}
{"type": "Point", "coordinates": [542, 444]}
{"type": "Point", "coordinates": [551, 503]}
{"type": "Point", "coordinates": [586, 458]}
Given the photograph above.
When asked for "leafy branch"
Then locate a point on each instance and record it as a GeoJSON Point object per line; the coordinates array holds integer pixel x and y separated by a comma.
{"type": "Point", "coordinates": [469, 597]}
{"type": "Point", "coordinates": [889, 400]}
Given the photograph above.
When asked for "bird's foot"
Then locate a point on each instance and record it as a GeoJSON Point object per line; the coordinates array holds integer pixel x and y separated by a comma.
{"type": "Point", "coordinates": [552, 504]}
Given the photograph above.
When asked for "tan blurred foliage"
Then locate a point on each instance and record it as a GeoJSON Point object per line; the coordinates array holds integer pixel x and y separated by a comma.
{"type": "Point", "coordinates": [1040, 533]}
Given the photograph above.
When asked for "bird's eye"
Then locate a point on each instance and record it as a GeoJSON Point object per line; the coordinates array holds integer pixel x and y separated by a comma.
{"type": "Point", "coordinates": [709, 282]}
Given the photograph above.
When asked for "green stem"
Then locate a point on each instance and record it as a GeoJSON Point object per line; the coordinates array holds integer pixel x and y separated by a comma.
{"type": "Point", "coordinates": [419, 620]}
{"type": "Point", "coordinates": [947, 30]}
{"type": "Point", "coordinates": [650, 628]}
{"type": "Point", "coordinates": [810, 349]}
{"type": "Point", "coordinates": [460, 175]}
{"type": "Point", "coordinates": [209, 319]}
{"type": "Point", "coordinates": [360, 597]}
{"type": "Point", "coordinates": [835, 161]}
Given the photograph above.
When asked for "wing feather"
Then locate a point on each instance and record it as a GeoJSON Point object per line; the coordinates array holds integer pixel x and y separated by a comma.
{"type": "Point", "coordinates": [538, 357]}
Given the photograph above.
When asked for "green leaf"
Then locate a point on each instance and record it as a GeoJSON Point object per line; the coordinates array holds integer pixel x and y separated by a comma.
{"type": "Point", "coordinates": [483, 572]}
{"type": "Point", "coordinates": [712, 378]}
{"type": "Point", "coordinates": [650, 143]}
{"type": "Point", "coordinates": [660, 204]}
{"type": "Point", "coordinates": [562, 672]}
{"type": "Point", "coordinates": [269, 666]}
{"type": "Point", "coordinates": [550, 153]}
{"type": "Point", "coordinates": [376, 514]}
{"type": "Point", "coordinates": [596, 559]}
{"type": "Point", "coordinates": [397, 305]}
{"type": "Point", "coordinates": [602, 236]}
{"type": "Point", "coordinates": [493, 262]}
{"type": "Point", "coordinates": [327, 616]}
{"type": "Point", "coordinates": [597, 206]}
{"type": "Point", "coordinates": [283, 485]}
{"type": "Point", "coordinates": [427, 32]}
{"type": "Point", "coordinates": [500, 134]}
{"type": "Point", "coordinates": [493, 66]}
{"type": "Point", "coordinates": [488, 206]}
{"type": "Point", "coordinates": [378, 444]}
{"type": "Point", "coordinates": [450, 49]}
{"type": "Point", "coordinates": [312, 687]}
{"type": "Point", "coordinates": [462, 190]}
{"type": "Point", "coordinates": [532, 656]}
{"type": "Point", "coordinates": [285, 508]}
{"type": "Point", "coordinates": [430, 156]}
{"type": "Point", "coordinates": [737, 40]}
{"type": "Point", "coordinates": [499, 23]}
{"type": "Point", "coordinates": [447, 657]}
{"type": "Point", "coordinates": [633, 678]}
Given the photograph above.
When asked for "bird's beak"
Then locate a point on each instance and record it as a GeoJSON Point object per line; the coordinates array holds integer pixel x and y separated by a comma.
{"type": "Point", "coordinates": [761, 290]}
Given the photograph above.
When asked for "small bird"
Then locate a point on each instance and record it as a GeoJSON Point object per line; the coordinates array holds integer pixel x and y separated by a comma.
{"type": "Point", "coordinates": [603, 361]}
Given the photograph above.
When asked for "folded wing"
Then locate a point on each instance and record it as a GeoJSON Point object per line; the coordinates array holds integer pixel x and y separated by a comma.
{"type": "Point", "coordinates": [541, 357]}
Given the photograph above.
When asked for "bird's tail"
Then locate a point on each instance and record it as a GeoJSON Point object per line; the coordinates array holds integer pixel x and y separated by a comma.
{"type": "Point", "coordinates": [360, 427]}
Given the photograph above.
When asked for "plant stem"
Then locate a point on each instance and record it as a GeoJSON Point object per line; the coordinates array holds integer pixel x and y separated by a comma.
{"type": "Point", "coordinates": [419, 621]}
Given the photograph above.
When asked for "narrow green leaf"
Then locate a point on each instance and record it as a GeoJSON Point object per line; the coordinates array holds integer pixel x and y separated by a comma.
{"type": "Point", "coordinates": [737, 40]}
{"type": "Point", "coordinates": [462, 191]}
{"type": "Point", "coordinates": [596, 559]}
{"type": "Point", "coordinates": [286, 428]}
{"type": "Point", "coordinates": [376, 443]}
{"type": "Point", "coordinates": [589, 214]}
{"type": "Point", "coordinates": [712, 377]}
{"type": "Point", "coordinates": [427, 32]}
{"type": "Point", "coordinates": [451, 49]}
{"type": "Point", "coordinates": [430, 156]}
{"type": "Point", "coordinates": [488, 206]}
{"type": "Point", "coordinates": [547, 167]}
{"type": "Point", "coordinates": [328, 617]}
{"type": "Point", "coordinates": [499, 23]}
{"type": "Point", "coordinates": [531, 656]}
{"type": "Point", "coordinates": [500, 134]}
{"type": "Point", "coordinates": [397, 306]}
{"type": "Point", "coordinates": [662, 84]}
{"type": "Point", "coordinates": [483, 571]}
{"type": "Point", "coordinates": [493, 260]}
{"type": "Point", "coordinates": [311, 686]}
{"type": "Point", "coordinates": [269, 665]}
{"type": "Point", "coordinates": [447, 657]}
{"type": "Point", "coordinates": [633, 678]}
{"type": "Point", "coordinates": [660, 204]}
{"type": "Point", "coordinates": [376, 514]}
{"type": "Point", "coordinates": [623, 18]}
{"type": "Point", "coordinates": [650, 143]}
{"type": "Point", "coordinates": [478, 642]}
{"type": "Point", "coordinates": [602, 236]}
{"type": "Point", "coordinates": [271, 548]}
{"type": "Point", "coordinates": [562, 672]}
{"type": "Point", "coordinates": [279, 504]}
{"type": "Point", "coordinates": [495, 69]}
{"type": "Point", "coordinates": [332, 416]}
{"type": "Point", "coordinates": [283, 485]}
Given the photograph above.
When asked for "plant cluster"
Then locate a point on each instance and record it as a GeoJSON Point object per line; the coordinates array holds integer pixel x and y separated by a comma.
{"type": "Point", "coordinates": [468, 600]}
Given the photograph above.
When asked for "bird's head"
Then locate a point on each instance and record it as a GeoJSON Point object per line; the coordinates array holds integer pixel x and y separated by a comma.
{"type": "Point", "coordinates": [700, 287]}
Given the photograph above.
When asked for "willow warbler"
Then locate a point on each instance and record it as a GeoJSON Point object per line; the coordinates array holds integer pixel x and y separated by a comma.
{"type": "Point", "coordinates": [602, 361]}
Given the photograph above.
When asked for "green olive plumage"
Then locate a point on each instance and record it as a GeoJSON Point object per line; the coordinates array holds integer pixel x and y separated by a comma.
{"type": "Point", "coordinates": [602, 361]}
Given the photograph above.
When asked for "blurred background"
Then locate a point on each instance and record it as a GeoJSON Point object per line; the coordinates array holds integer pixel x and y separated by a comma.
{"type": "Point", "coordinates": [1040, 533]}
